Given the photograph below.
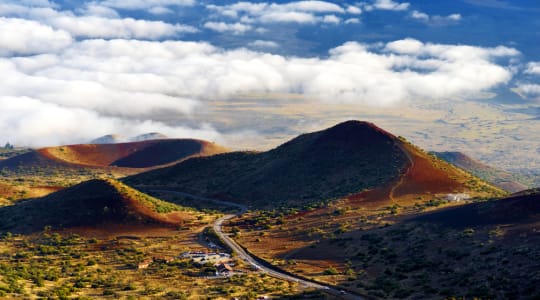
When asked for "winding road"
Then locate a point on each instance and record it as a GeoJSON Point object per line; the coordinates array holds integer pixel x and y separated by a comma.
{"type": "Point", "coordinates": [242, 254]}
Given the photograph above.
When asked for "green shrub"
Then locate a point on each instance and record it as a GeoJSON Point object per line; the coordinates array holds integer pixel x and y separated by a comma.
{"type": "Point", "coordinates": [330, 271]}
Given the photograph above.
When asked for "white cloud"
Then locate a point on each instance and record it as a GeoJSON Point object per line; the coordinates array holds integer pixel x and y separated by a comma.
{"type": "Point", "coordinates": [42, 78]}
{"type": "Point", "coordinates": [35, 3]}
{"type": "Point", "coordinates": [352, 21]}
{"type": "Point", "coordinates": [98, 27]}
{"type": "Point", "coordinates": [435, 19]}
{"type": "Point", "coordinates": [387, 5]}
{"type": "Point", "coordinates": [121, 77]}
{"type": "Point", "coordinates": [235, 28]}
{"type": "Point", "coordinates": [309, 6]}
{"type": "Point", "coordinates": [405, 46]}
{"type": "Point", "coordinates": [454, 17]}
{"type": "Point", "coordinates": [144, 4]}
{"type": "Point", "coordinates": [92, 9]}
{"type": "Point", "coordinates": [533, 68]}
{"type": "Point", "coordinates": [99, 22]}
{"type": "Point", "coordinates": [419, 15]}
{"type": "Point", "coordinates": [92, 86]}
{"type": "Point", "coordinates": [263, 44]}
{"type": "Point", "coordinates": [10, 10]}
{"type": "Point", "coordinates": [528, 90]}
{"type": "Point", "coordinates": [288, 17]}
{"type": "Point", "coordinates": [301, 12]}
{"type": "Point", "coordinates": [354, 10]}
{"type": "Point", "coordinates": [331, 19]}
{"type": "Point", "coordinates": [33, 122]}
{"type": "Point", "coordinates": [160, 10]}
{"type": "Point", "coordinates": [403, 70]}
{"type": "Point", "coordinates": [234, 10]}
{"type": "Point", "coordinates": [24, 37]}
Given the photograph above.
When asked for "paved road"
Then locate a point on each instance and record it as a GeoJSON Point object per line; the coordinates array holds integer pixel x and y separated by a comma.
{"type": "Point", "coordinates": [242, 254]}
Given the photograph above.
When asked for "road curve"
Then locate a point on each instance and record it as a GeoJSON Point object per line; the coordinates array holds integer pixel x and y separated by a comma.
{"type": "Point", "coordinates": [242, 254]}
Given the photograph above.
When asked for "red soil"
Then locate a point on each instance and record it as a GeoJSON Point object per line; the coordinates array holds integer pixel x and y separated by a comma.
{"type": "Point", "coordinates": [423, 176]}
{"type": "Point", "coordinates": [7, 190]}
{"type": "Point", "coordinates": [102, 155]}
{"type": "Point", "coordinates": [124, 156]}
{"type": "Point", "coordinates": [90, 154]}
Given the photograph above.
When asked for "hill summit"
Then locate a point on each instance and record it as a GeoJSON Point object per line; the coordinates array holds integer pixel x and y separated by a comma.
{"type": "Point", "coordinates": [89, 203]}
{"type": "Point", "coordinates": [314, 168]}
{"type": "Point", "coordinates": [347, 158]}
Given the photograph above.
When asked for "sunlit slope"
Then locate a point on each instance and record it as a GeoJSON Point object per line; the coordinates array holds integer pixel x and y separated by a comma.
{"type": "Point", "coordinates": [143, 154]}
{"type": "Point", "coordinates": [89, 204]}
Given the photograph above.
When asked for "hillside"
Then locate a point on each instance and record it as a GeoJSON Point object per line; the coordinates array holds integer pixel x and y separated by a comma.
{"type": "Point", "coordinates": [486, 250]}
{"type": "Point", "coordinates": [317, 167]}
{"type": "Point", "coordinates": [6, 153]}
{"type": "Point", "coordinates": [90, 203]}
{"type": "Point", "coordinates": [35, 173]}
{"type": "Point", "coordinates": [523, 207]}
{"type": "Point", "coordinates": [130, 155]}
{"type": "Point", "coordinates": [500, 178]}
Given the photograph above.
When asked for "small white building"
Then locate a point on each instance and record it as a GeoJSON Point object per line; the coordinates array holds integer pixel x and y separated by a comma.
{"type": "Point", "coordinates": [202, 258]}
{"type": "Point", "coordinates": [457, 197]}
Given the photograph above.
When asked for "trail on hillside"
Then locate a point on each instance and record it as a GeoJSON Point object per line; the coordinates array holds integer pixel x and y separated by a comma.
{"type": "Point", "coordinates": [402, 178]}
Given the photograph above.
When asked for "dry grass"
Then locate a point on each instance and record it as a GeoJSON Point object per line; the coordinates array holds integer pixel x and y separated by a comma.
{"type": "Point", "coordinates": [101, 266]}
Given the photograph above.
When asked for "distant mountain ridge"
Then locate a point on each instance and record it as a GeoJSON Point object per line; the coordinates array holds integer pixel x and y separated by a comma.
{"type": "Point", "coordinates": [108, 139]}
{"type": "Point", "coordinates": [500, 178]}
{"type": "Point", "coordinates": [116, 138]}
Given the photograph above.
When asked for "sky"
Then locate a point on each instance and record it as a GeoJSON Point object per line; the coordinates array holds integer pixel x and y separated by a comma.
{"type": "Point", "coordinates": [449, 75]}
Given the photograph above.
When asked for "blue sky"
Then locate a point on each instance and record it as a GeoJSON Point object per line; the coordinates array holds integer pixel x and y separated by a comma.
{"type": "Point", "coordinates": [252, 74]}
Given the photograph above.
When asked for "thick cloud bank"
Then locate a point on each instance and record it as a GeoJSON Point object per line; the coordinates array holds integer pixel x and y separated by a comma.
{"type": "Point", "coordinates": [25, 37]}
{"type": "Point", "coordinates": [70, 76]}
{"type": "Point", "coordinates": [95, 87]}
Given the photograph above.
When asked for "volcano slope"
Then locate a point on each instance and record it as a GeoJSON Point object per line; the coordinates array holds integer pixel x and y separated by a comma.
{"type": "Point", "coordinates": [317, 186]}
{"type": "Point", "coordinates": [484, 250]}
{"type": "Point", "coordinates": [315, 168]}
{"type": "Point", "coordinates": [500, 178]}
{"type": "Point", "coordinates": [91, 203]}
{"type": "Point", "coordinates": [71, 164]}
{"type": "Point", "coordinates": [143, 154]}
